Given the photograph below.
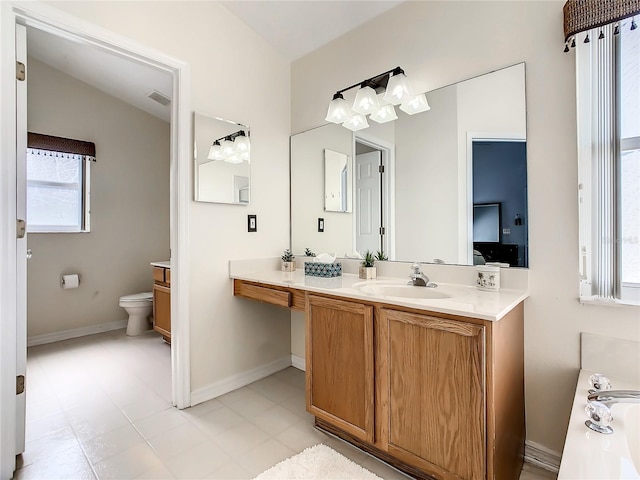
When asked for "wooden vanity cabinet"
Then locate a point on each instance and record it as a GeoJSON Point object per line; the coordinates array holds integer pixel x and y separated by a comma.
{"type": "Point", "coordinates": [448, 392]}
{"type": "Point", "coordinates": [435, 399]}
{"type": "Point", "coordinates": [339, 364]}
{"type": "Point", "coordinates": [162, 302]}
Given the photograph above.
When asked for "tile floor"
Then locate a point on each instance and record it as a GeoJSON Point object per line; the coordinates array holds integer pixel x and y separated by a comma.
{"type": "Point", "coordinates": [99, 407]}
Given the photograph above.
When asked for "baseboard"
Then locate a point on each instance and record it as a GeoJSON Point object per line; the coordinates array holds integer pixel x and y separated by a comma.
{"type": "Point", "coordinates": [75, 333]}
{"type": "Point", "coordinates": [239, 380]}
{"type": "Point", "coordinates": [298, 362]}
{"type": "Point", "coordinates": [542, 457]}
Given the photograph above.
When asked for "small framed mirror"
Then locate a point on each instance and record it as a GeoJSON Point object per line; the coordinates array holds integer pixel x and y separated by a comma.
{"type": "Point", "coordinates": [337, 182]}
{"type": "Point", "coordinates": [222, 159]}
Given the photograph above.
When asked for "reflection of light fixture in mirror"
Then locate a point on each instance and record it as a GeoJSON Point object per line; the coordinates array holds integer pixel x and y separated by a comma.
{"type": "Point", "coordinates": [386, 112]}
{"type": "Point", "coordinates": [376, 97]}
{"type": "Point", "coordinates": [338, 110]}
{"type": "Point", "coordinates": [356, 122]}
{"type": "Point", "coordinates": [215, 152]}
{"type": "Point", "coordinates": [233, 148]}
{"type": "Point", "coordinates": [228, 148]}
{"type": "Point", "coordinates": [415, 104]}
{"type": "Point", "coordinates": [242, 143]}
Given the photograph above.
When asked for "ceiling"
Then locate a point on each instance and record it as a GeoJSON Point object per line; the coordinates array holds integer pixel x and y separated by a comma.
{"type": "Point", "coordinates": [293, 28]}
{"type": "Point", "coordinates": [122, 78]}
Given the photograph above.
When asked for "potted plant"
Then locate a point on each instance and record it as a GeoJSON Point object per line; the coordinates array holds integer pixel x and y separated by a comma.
{"type": "Point", "coordinates": [381, 256]}
{"type": "Point", "coordinates": [288, 261]}
{"type": "Point", "coordinates": [308, 252]}
{"type": "Point", "coordinates": [367, 271]}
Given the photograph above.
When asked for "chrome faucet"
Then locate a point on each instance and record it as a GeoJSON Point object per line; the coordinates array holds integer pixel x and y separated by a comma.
{"type": "Point", "coordinates": [609, 397]}
{"type": "Point", "coordinates": [418, 278]}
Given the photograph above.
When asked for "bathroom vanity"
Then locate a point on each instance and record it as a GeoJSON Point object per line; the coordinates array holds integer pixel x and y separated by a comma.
{"type": "Point", "coordinates": [162, 299]}
{"type": "Point", "coordinates": [433, 386]}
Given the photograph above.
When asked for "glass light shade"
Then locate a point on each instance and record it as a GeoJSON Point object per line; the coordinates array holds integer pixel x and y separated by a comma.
{"type": "Point", "coordinates": [215, 152]}
{"type": "Point", "coordinates": [416, 104]}
{"type": "Point", "coordinates": [356, 122]}
{"type": "Point", "coordinates": [242, 144]}
{"type": "Point", "coordinates": [244, 156]}
{"type": "Point", "coordinates": [339, 111]}
{"type": "Point", "coordinates": [228, 148]}
{"type": "Point", "coordinates": [384, 114]}
{"type": "Point", "coordinates": [366, 101]}
{"type": "Point", "coordinates": [398, 89]}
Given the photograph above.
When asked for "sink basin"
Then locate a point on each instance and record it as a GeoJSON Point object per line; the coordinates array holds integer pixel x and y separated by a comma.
{"type": "Point", "coordinates": [632, 427]}
{"type": "Point", "coordinates": [398, 290]}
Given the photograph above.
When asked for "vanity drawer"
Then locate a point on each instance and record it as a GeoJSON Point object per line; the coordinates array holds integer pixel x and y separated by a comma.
{"type": "Point", "coordinates": [167, 276]}
{"type": "Point", "coordinates": [158, 274]}
{"type": "Point", "coordinates": [264, 294]}
{"type": "Point", "coordinates": [281, 296]}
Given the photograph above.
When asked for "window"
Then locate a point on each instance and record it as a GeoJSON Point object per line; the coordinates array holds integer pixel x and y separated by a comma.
{"type": "Point", "coordinates": [629, 66]}
{"type": "Point", "coordinates": [608, 87]}
{"type": "Point", "coordinates": [58, 184]}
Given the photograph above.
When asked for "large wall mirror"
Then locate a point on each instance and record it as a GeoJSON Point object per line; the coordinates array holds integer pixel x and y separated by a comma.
{"type": "Point", "coordinates": [222, 157]}
{"type": "Point", "coordinates": [417, 182]}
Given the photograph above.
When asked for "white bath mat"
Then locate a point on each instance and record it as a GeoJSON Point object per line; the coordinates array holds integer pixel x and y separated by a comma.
{"type": "Point", "coordinates": [317, 463]}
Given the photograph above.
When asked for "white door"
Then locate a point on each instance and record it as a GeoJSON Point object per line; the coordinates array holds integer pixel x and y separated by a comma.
{"type": "Point", "coordinates": [368, 208]}
{"type": "Point", "coordinates": [21, 243]}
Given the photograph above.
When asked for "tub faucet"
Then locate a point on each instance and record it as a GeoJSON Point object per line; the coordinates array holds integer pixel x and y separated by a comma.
{"type": "Point", "coordinates": [609, 397]}
{"type": "Point", "coordinates": [418, 278]}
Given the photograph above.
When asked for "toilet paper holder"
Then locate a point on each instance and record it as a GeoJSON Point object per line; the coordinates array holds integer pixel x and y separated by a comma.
{"type": "Point", "coordinates": [69, 281]}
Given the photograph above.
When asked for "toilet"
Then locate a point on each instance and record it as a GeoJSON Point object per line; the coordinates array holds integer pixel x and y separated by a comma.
{"type": "Point", "coordinates": [139, 307]}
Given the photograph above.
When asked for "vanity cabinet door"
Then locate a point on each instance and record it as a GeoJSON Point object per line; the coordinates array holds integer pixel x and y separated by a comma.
{"type": "Point", "coordinates": [162, 311]}
{"type": "Point", "coordinates": [436, 394]}
{"type": "Point", "coordinates": [339, 364]}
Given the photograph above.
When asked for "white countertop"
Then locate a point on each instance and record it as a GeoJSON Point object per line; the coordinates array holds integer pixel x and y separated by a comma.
{"type": "Point", "coordinates": [468, 302]}
{"type": "Point", "coordinates": [165, 264]}
{"type": "Point", "coordinates": [591, 455]}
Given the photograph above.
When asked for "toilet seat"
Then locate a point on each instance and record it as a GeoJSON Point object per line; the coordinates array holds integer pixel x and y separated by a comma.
{"type": "Point", "coordinates": [137, 297]}
{"type": "Point", "coordinates": [144, 298]}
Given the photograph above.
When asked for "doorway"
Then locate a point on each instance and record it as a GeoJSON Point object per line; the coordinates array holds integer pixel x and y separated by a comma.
{"type": "Point", "coordinates": [13, 135]}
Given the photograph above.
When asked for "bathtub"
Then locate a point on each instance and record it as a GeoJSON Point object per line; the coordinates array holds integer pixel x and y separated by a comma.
{"type": "Point", "coordinates": [591, 455]}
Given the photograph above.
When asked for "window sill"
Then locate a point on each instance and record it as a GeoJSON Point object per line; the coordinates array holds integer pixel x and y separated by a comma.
{"type": "Point", "coordinates": [603, 302]}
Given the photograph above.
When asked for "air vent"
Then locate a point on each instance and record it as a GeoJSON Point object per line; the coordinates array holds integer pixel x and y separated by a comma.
{"type": "Point", "coordinates": [159, 97]}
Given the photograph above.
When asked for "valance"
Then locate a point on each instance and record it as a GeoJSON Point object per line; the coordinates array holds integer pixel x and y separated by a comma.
{"type": "Point", "coordinates": [59, 144]}
{"type": "Point", "coordinates": [583, 15]}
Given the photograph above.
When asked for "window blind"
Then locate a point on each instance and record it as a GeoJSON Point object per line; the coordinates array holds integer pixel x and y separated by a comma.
{"type": "Point", "coordinates": [40, 141]}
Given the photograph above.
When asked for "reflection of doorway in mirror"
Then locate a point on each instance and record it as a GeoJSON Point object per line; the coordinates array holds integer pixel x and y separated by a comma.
{"type": "Point", "coordinates": [240, 189]}
{"type": "Point", "coordinates": [373, 221]}
{"type": "Point", "coordinates": [499, 177]}
{"type": "Point", "coordinates": [368, 202]}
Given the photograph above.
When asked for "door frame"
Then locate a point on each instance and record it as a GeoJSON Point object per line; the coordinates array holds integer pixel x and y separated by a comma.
{"type": "Point", "coordinates": [387, 151]}
{"type": "Point", "coordinates": [465, 208]}
{"type": "Point", "coordinates": [48, 18]}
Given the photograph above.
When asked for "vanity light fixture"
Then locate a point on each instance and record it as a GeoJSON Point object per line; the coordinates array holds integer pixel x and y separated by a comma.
{"type": "Point", "coordinates": [233, 148]}
{"type": "Point", "coordinates": [376, 97]}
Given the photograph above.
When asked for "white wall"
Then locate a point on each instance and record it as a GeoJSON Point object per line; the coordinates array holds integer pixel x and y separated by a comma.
{"type": "Point", "coordinates": [439, 43]}
{"type": "Point", "coordinates": [229, 336]}
{"type": "Point", "coordinates": [129, 205]}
